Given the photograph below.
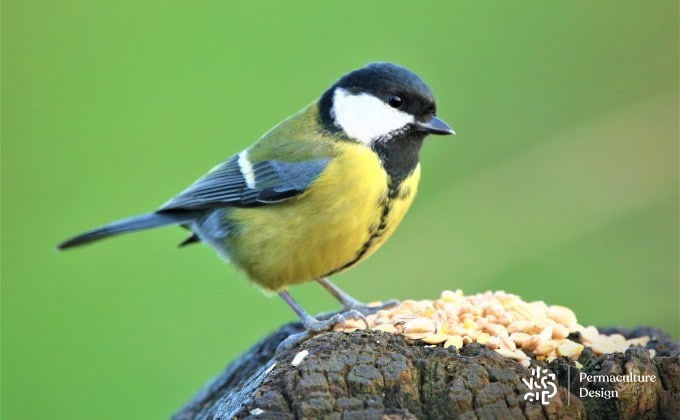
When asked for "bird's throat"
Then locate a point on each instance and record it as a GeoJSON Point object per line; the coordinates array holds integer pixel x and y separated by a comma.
{"type": "Point", "coordinates": [399, 156]}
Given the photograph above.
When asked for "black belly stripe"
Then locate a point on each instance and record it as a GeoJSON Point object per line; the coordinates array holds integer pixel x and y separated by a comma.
{"type": "Point", "coordinates": [399, 158]}
{"type": "Point", "coordinates": [386, 205]}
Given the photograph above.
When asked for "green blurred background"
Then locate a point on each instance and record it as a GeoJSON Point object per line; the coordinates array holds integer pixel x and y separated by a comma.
{"type": "Point", "coordinates": [561, 185]}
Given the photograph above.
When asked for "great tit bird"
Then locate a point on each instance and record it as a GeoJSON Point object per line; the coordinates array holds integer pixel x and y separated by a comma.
{"type": "Point", "coordinates": [317, 194]}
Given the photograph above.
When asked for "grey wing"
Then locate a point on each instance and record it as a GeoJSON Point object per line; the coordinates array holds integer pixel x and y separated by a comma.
{"type": "Point", "coordinates": [239, 182]}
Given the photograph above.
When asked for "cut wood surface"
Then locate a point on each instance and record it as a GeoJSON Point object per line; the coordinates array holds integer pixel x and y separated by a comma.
{"type": "Point", "coordinates": [375, 375]}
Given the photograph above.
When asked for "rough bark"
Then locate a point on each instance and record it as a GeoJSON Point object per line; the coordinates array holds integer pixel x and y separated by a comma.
{"type": "Point", "coordinates": [370, 374]}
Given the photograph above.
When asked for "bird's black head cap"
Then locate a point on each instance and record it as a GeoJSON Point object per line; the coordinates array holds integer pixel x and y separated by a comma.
{"type": "Point", "coordinates": [384, 81]}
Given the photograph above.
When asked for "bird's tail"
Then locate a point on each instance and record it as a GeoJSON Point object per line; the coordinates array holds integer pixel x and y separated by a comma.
{"type": "Point", "coordinates": [132, 224]}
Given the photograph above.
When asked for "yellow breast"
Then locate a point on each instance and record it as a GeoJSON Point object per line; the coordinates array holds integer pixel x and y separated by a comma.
{"type": "Point", "coordinates": [345, 216]}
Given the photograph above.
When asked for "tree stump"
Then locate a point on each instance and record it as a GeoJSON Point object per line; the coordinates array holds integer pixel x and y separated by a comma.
{"type": "Point", "coordinates": [374, 375]}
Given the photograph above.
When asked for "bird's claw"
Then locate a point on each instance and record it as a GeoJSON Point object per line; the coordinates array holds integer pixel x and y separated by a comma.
{"type": "Point", "coordinates": [315, 326]}
{"type": "Point", "coordinates": [365, 309]}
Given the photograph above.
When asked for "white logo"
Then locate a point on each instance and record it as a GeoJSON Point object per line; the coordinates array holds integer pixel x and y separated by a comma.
{"type": "Point", "coordinates": [541, 385]}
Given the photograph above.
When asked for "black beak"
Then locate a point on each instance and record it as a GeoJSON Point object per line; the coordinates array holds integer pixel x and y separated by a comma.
{"type": "Point", "coordinates": [434, 126]}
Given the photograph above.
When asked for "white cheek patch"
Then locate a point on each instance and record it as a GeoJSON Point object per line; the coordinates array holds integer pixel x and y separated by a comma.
{"type": "Point", "coordinates": [366, 118]}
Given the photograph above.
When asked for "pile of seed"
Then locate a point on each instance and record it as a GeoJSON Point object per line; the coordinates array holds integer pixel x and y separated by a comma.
{"type": "Point", "coordinates": [499, 320]}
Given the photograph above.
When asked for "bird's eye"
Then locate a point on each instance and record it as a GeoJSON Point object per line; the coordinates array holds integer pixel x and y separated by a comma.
{"type": "Point", "coordinates": [395, 100]}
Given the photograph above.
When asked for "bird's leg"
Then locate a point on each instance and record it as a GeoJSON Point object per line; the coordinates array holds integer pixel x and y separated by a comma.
{"type": "Point", "coordinates": [313, 325]}
{"type": "Point", "coordinates": [348, 302]}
